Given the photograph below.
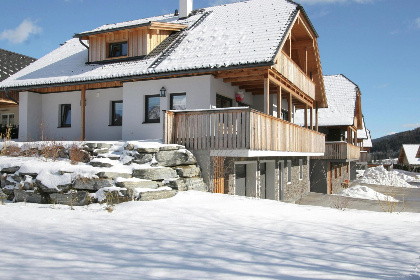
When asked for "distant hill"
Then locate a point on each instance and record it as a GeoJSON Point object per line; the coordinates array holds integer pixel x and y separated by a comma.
{"type": "Point", "coordinates": [390, 146]}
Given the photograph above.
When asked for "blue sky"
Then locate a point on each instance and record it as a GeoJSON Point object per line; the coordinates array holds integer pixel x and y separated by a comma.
{"type": "Point", "coordinates": [375, 43]}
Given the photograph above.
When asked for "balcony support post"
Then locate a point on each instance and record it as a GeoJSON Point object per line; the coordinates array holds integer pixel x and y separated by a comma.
{"type": "Point", "coordinates": [316, 115]}
{"type": "Point", "coordinates": [312, 117]}
{"type": "Point", "coordinates": [306, 116]}
{"type": "Point", "coordinates": [278, 102]}
{"type": "Point", "coordinates": [83, 113]}
{"type": "Point", "coordinates": [290, 106]}
{"type": "Point", "coordinates": [266, 96]}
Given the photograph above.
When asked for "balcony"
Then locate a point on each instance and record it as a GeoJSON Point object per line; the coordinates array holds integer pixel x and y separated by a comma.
{"type": "Point", "coordinates": [364, 156]}
{"type": "Point", "coordinates": [341, 151]}
{"type": "Point", "coordinates": [289, 69]}
{"type": "Point", "coordinates": [239, 129]}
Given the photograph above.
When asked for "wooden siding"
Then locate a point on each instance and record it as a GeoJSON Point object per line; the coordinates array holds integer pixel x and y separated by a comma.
{"type": "Point", "coordinates": [5, 99]}
{"type": "Point", "coordinates": [140, 41]}
{"type": "Point", "coordinates": [288, 68]}
{"type": "Point", "coordinates": [239, 129]}
{"type": "Point", "coordinates": [340, 150]}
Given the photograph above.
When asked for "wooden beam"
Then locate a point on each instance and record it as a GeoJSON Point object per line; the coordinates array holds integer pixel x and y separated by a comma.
{"type": "Point", "coordinates": [290, 106]}
{"type": "Point", "coordinates": [279, 102]}
{"type": "Point", "coordinates": [267, 96]}
{"type": "Point", "coordinates": [303, 44]}
{"type": "Point", "coordinates": [316, 116]}
{"type": "Point", "coordinates": [312, 118]}
{"type": "Point", "coordinates": [306, 116]}
{"type": "Point", "coordinates": [83, 110]}
{"type": "Point", "coordinates": [244, 79]}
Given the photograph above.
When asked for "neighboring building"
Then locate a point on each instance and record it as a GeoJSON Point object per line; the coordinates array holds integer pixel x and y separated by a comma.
{"type": "Point", "coordinates": [410, 155]}
{"type": "Point", "coordinates": [237, 71]}
{"type": "Point", "coordinates": [340, 122]}
{"type": "Point", "coordinates": [364, 141]}
{"type": "Point", "coordinates": [10, 63]}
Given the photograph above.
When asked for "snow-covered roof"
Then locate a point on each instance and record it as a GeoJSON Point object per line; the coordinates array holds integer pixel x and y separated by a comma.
{"type": "Point", "coordinates": [11, 63]}
{"type": "Point", "coordinates": [341, 97]}
{"type": "Point", "coordinates": [367, 143]}
{"type": "Point", "coordinates": [231, 35]}
{"type": "Point", "coordinates": [410, 151]}
{"type": "Point", "coordinates": [362, 133]}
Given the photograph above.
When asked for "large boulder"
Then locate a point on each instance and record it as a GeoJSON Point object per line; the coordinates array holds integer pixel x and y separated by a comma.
{"type": "Point", "coordinates": [188, 171]}
{"type": "Point", "coordinates": [195, 184]}
{"type": "Point", "coordinates": [10, 170]}
{"type": "Point", "coordinates": [113, 175]}
{"type": "Point", "coordinates": [48, 190]}
{"type": "Point", "coordinates": [29, 197]}
{"type": "Point", "coordinates": [155, 195]}
{"type": "Point", "coordinates": [134, 184]}
{"type": "Point", "coordinates": [175, 158]}
{"type": "Point", "coordinates": [142, 158]}
{"type": "Point", "coordinates": [91, 184]}
{"type": "Point", "coordinates": [155, 174]}
{"type": "Point", "coordinates": [79, 198]}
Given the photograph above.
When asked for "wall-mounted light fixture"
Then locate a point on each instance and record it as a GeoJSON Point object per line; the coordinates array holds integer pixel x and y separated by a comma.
{"type": "Point", "coordinates": [163, 92]}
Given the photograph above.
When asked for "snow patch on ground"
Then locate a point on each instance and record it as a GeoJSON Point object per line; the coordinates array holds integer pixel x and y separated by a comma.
{"type": "Point", "coordinates": [364, 192]}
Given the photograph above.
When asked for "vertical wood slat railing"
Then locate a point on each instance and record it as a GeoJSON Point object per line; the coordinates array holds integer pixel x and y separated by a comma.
{"type": "Point", "coordinates": [341, 150]}
{"type": "Point", "coordinates": [225, 129]}
{"type": "Point", "coordinates": [288, 68]}
{"type": "Point", "coordinates": [364, 156]}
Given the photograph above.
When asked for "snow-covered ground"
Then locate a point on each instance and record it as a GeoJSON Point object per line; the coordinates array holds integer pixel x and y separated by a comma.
{"type": "Point", "coordinates": [364, 192]}
{"type": "Point", "coordinates": [380, 176]}
{"type": "Point", "coordinates": [206, 236]}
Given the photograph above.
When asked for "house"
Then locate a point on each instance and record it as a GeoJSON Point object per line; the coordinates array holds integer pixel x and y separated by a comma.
{"type": "Point", "coordinates": [364, 141]}
{"type": "Point", "coordinates": [10, 63]}
{"type": "Point", "coordinates": [410, 156]}
{"type": "Point", "coordinates": [224, 81]}
{"type": "Point", "coordinates": [340, 122]}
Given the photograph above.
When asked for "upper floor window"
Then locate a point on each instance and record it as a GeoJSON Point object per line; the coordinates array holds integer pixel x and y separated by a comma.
{"type": "Point", "coordinates": [152, 109]}
{"type": "Point", "coordinates": [223, 102]}
{"type": "Point", "coordinates": [118, 49]}
{"type": "Point", "coordinates": [116, 112]}
{"type": "Point", "coordinates": [65, 115]}
{"type": "Point", "coordinates": [178, 101]}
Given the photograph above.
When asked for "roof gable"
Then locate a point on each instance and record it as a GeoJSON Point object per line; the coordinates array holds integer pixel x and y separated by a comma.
{"type": "Point", "coordinates": [411, 151]}
{"type": "Point", "coordinates": [239, 34]}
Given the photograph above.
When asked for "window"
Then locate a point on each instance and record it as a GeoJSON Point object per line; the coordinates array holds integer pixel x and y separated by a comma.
{"type": "Point", "coordinates": [65, 115]}
{"type": "Point", "coordinates": [300, 169]}
{"type": "Point", "coordinates": [223, 102]}
{"type": "Point", "coordinates": [289, 171]}
{"type": "Point", "coordinates": [285, 115]}
{"type": "Point", "coordinates": [178, 101]}
{"type": "Point", "coordinates": [7, 119]}
{"type": "Point", "coordinates": [152, 109]}
{"type": "Point", "coordinates": [116, 112]}
{"type": "Point", "coordinates": [118, 49]}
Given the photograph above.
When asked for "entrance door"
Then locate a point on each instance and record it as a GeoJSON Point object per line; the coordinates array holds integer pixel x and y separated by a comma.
{"type": "Point", "coordinates": [263, 179]}
{"type": "Point", "coordinates": [240, 179]}
{"type": "Point", "coordinates": [281, 179]}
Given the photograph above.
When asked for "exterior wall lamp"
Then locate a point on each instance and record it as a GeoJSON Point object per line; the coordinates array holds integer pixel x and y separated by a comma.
{"type": "Point", "coordinates": [163, 92]}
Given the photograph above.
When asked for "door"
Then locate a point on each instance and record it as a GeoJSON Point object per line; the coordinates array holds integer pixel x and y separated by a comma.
{"type": "Point", "coordinates": [240, 179]}
{"type": "Point", "coordinates": [263, 179]}
{"type": "Point", "coordinates": [281, 179]}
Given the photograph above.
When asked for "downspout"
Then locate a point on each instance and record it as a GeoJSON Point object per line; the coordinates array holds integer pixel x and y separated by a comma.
{"type": "Point", "coordinates": [8, 96]}
{"type": "Point", "coordinates": [86, 46]}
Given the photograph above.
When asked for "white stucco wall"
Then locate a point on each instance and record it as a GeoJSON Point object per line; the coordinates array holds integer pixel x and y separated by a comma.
{"type": "Point", "coordinates": [198, 94]}
{"type": "Point", "coordinates": [51, 116]}
{"type": "Point", "coordinates": [98, 114]}
{"type": "Point", "coordinates": [217, 86]}
{"type": "Point", "coordinates": [30, 116]}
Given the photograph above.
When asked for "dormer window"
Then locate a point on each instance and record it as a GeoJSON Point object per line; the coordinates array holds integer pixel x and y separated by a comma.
{"type": "Point", "coordinates": [118, 49]}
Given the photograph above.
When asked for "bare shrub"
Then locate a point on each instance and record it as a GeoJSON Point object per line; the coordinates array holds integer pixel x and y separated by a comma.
{"type": "Point", "coordinates": [340, 202]}
{"type": "Point", "coordinates": [52, 150]}
{"type": "Point", "coordinates": [76, 155]}
{"type": "Point", "coordinates": [11, 150]}
{"type": "Point", "coordinates": [389, 205]}
{"type": "Point", "coordinates": [3, 197]}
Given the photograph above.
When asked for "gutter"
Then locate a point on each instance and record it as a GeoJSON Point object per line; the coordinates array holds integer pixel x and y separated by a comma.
{"type": "Point", "coordinates": [8, 96]}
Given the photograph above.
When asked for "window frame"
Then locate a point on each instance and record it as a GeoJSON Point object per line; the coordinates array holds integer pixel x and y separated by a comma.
{"type": "Point", "coordinates": [171, 101]}
{"type": "Point", "coordinates": [120, 44]}
{"type": "Point", "coordinates": [224, 98]}
{"type": "Point", "coordinates": [113, 122]}
{"type": "Point", "coordinates": [60, 116]}
{"type": "Point", "coordinates": [8, 119]}
{"type": "Point", "coordinates": [146, 109]}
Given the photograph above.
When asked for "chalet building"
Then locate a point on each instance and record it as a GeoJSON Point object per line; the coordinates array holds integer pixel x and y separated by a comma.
{"type": "Point", "coordinates": [10, 63]}
{"type": "Point", "coordinates": [340, 122]}
{"type": "Point", "coordinates": [364, 141]}
{"type": "Point", "coordinates": [410, 156]}
{"type": "Point", "coordinates": [224, 81]}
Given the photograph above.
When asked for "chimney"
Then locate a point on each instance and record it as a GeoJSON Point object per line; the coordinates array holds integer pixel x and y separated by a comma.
{"type": "Point", "coordinates": [185, 8]}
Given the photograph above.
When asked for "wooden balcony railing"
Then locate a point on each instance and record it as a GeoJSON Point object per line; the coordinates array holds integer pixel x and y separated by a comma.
{"type": "Point", "coordinates": [340, 150]}
{"type": "Point", "coordinates": [238, 128]}
{"type": "Point", "coordinates": [364, 156]}
{"type": "Point", "coordinates": [288, 68]}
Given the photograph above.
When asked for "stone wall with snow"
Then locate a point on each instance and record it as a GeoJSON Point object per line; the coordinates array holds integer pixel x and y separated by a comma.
{"type": "Point", "coordinates": [130, 170]}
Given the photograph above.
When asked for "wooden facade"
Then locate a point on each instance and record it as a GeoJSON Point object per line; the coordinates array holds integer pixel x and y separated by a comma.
{"type": "Point", "coordinates": [239, 129]}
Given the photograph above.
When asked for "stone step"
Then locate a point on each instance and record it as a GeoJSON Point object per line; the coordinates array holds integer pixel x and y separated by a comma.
{"type": "Point", "coordinates": [156, 195]}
